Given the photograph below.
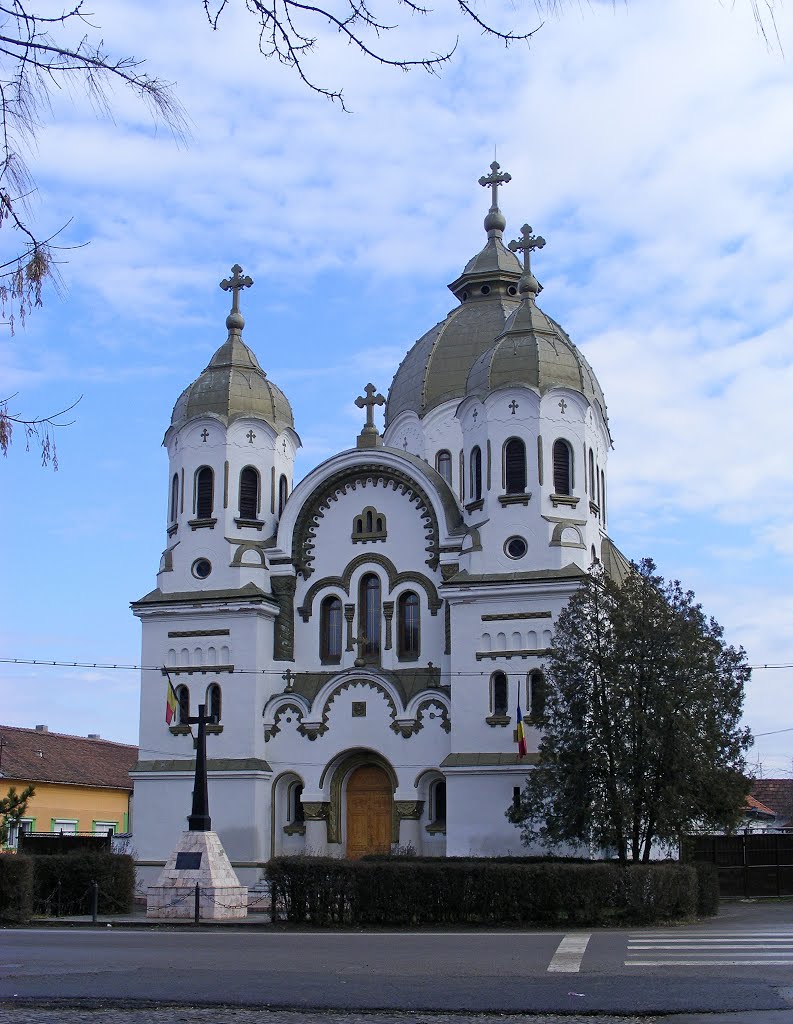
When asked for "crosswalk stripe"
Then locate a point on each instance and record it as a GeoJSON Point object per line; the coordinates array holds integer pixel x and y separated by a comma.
{"type": "Point", "coordinates": [569, 953]}
{"type": "Point", "coordinates": [709, 963]}
{"type": "Point", "coordinates": [723, 948]}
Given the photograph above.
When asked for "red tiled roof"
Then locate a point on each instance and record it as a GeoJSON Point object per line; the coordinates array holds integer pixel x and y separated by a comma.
{"type": "Point", "coordinates": [776, 794]}
{"type": "Point", "coordinates": [34, 756]}
{"type": "Point", "coordinates": [754, 805]}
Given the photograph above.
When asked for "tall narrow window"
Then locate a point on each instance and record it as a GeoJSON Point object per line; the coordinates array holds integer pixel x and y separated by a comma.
{"type": "Point", "coordinates": [438, 802]}
{"type": "Point", "coordinates": [369, 613]}
{"type": "Point", "coordinates": [443, 463]}
{"type": "Point", "coordinates": [408, 638]}
{"type": "Point", "coordinates": [214, 702]}
{"type": "Point", "coordinates": [515, 466]}
{"type": "Point", "coordinates": [295, 812]}
{"type": "Point", "coordinates": [562, 467]}
{"type": "Point", "coordinates": [283, 488]}
{"type": "Point", "coordinates": [603, 496]}
{"type": "Point", "coordinates": [476, 473]}
{"type": "Point", "coordinates": [183, 696]}
{"type": "Point", "coordinates": [249, 493]}
{"type": "Point", "coordinates": [597, 483]}
{"type": "Point", "coordinates": [592, 487]}
{"type": "Point", "coordinates": [204, 486]}
{"type": "Point", "coordinates": [500, 695]}
{"type": "Point", "coordinates": [174, 498]}
{"type": "Point", "coordinates": [535, 698]}
{"type": "Point", "coordinates": [330, 621]}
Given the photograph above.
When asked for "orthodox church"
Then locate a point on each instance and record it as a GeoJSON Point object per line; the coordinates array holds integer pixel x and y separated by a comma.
{"type": "Point", "coordinates": [365, 639]}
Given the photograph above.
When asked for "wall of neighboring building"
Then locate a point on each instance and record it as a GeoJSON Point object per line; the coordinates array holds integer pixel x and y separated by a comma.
{"type": "Point", "coordinates": [83, 805]}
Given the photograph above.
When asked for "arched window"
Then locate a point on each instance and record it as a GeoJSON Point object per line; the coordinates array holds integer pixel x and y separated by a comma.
{"type": "Point", "coordinates": [592, 486]}
{"type": "Point", "coordinates": [283, 493]}
{"type": "Point", "coordinates": [443, 463]}
{"type": "Point", "coordinates": [174, 498]}
{"type": "Point", "coordinates": [330, 622]}
{"type": "Point", "coordinates": [437, 807]}
{"type": "Point", "coordinates": [183, 696]}
{"type": "Point", "coordinates": [214, 702]}
{"type": "Point", "coordinates": [476, 473]}
{"type": "Point", "coordinates": [597, 482]}
{"type": "Point", "coordinates": [409, 630]}
{"type": "Point", "coordinates": [369, 613]}
{"type": "Point", "coordinates": [535, 696]}
{"type": "Point", "coordinates": [249, 493]}
{"type": "Point", "coordinates": [204, 487]}
{"type": "Point", "coordinates": [515, 466]}
{"type": "Point", "coordinates": [603, 496]}
{"type": "Point", "coordinates": [499, 695]}
{"type": "Point", "coordinates": [295, 814]}
{"type": "Point", "coordinates": [562, 467]}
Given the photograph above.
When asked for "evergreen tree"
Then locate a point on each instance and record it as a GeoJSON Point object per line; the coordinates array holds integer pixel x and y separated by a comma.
{"type": "Point", "coordinates": [12, 810]}
{"type": "Point", "coordinates": [642, 741]}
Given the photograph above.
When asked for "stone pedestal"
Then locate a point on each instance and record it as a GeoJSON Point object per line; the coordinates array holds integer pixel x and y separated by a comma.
{"type": "Point", "coordinates": [199, 859]}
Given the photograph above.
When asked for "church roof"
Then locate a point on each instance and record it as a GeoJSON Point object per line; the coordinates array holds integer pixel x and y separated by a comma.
{"type": "Point", "coordinates": [234, 384]}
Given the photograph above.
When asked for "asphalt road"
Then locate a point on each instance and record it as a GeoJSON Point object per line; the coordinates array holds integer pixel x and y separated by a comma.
{"type": "Point", "coordinates": [742, 961]}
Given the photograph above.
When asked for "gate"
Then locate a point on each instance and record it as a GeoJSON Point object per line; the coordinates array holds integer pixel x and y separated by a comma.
{"type": "Point", "coordinates": [750, 865]}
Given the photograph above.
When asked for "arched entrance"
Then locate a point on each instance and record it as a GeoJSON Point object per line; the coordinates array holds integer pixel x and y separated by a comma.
{"type": "Point", "coordinates": [369, 811]}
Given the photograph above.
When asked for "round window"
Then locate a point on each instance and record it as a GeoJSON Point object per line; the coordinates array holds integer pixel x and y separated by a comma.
{"type": "Point", "coordinates": [516, 547]}
{"type": "Point", "coordinates": [202, 567]}
{"type": "Point", "coordinates": [512, 290]}
{"type": "Point", "coordinates": [485, 289]}
{"type": "Point", "coordinates": [464, 296]}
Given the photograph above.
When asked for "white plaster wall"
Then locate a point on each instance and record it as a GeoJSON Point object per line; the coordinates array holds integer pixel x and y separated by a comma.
{"type": "Point", "coordinates": [475, 820]}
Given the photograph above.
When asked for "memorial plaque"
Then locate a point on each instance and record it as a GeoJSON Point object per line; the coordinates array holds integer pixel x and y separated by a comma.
{"type": "Point", "coordinates": [188, 861]}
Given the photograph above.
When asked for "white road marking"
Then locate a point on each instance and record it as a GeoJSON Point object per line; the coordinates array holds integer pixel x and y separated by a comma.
{"type": "Point", "coordinates": [724, 948]}
{"type": "Point", "coordinates": [709, 963]}
{"type": "Point", "coordinates": [569, 954]}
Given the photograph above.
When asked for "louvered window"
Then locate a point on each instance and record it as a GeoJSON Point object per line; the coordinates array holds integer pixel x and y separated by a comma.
{"type": "Point", "coordinates": [283, 494]}
{"type": "Point", "coordinates": [499, 695]}
{"type": "Point", "coordinates": [174, 498]}
{"type": "Point", "coordinates": [535, 698]}
{"type": "Point", "coordinates": [408, 634]}
{"type": "Point", "coordinates": [476, 474]}
{"type": "Point", "coordinates": [249, 493]}
{"type": "Point", "coordinates": [562, 466]}
{"type": "Point", "coordinates": [369, 613]}
{"type": "Point", "coordinates": [515, 466]}
{"type": "Point", "coordinates": [203, 490]}
{"type": "Point", "coordinates": [183, 696]}
{"type": "Point", "coordinates": [214, 701]}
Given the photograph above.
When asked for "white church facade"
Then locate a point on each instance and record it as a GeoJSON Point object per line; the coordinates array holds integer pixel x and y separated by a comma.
{"type": "Point", "coordinates": [365, 636]}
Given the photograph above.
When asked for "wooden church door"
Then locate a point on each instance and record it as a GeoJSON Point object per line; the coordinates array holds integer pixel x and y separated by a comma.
{"type": "Point", "coordinates": [369, 812]}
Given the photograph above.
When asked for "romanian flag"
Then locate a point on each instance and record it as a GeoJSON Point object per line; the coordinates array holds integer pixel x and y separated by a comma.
{"type": "Point", "coordinates": [171, 703]}
{"type": "Point", "coordinates": [521, 735]}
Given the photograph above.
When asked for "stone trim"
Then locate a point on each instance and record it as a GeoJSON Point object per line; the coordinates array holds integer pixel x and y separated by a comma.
{"type": "Point", "coordinates": [254, 524]}
{"type": "Point", "coordinates": [492, 655]}
{"type": "Point", "coordinates": [171, 531]}
{"type": "Point", "coordinates": [315, 810]}
{"type": "Point", "coordinates": [488, 760]}
{"type": "Point", "coordinates": [408, 810]}
{"type": "Point", "coordinates": [539, 459]}
{"type": "Point", "coordinates": [198, 632]}
{"type": "Point", "coordinates": [498, 720]}
{"type": "Point", "coordinates": [594, 508]}
{"type": "Point", "coordinates": [388, 615]}
{"type": "Point", "coordinates": [438, 828]}
{"type": "Point", "coordinates": [515, 499]}
{"type": "Point", "coordinates": [201, 524]}
{"type": "Point", "coordinates": [226, 484]}
{"type": "Point", "coordinates": [474, 506]}
{"type": "Point", "coordinates": [295, 830]}
{"type": "Point", "coordinates": [217, 764]}
{"type": "Point", "coordinates": [508, 616]}
{"type": "Point", "coordinates": [489, 464]}
{"type": "Point", "coordinates": [564, 499]}
{"type": "Point", "coordinates": [189, 670]}
{"type": "Point", "coordinates": [283, 588]}
{"type": "Point", "coordinates": [349, 615]}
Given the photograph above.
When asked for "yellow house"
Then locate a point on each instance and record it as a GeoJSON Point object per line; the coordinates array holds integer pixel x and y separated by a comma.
{"type": "Point", "coordinates": [82, 783]}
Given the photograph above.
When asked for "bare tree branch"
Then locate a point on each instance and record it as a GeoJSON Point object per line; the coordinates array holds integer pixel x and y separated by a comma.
{"type": "Point", "coordinates": [38, 432]}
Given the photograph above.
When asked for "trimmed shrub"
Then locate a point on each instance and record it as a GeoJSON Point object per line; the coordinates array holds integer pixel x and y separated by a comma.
{"type": "Point", "coordinates": [16, 888]}
{"type": "Point", "coordinates": [414, 891]}
{"type": "Point", "coordinates": [62, 883]}
{"type": "Point", "coordinates": [707, 888]}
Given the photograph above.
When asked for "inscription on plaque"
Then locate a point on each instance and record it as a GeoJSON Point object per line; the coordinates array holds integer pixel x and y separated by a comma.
{"type": "Point", "coordinates": [188, 861]}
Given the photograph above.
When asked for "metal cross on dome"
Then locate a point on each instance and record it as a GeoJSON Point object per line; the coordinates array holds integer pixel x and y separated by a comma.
{"type": "Point", "coordinates": [235, 284]}
{"type": "Point", "coordinates": [527, 244]}
{"type": "Point", "coordinates": [493, 180]}
{"type": "Point", "coordinates": [369, 402]}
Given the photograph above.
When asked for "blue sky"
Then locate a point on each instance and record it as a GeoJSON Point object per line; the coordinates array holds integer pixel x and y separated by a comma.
{"type": "Point", "coordinates": [650, 143]}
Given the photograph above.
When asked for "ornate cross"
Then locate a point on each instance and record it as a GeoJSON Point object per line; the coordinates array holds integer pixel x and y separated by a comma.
{"type": "Point", "coordinates": [493, 180]}
{"type": "Point", "coordinates": [513, 406]}
{"type": "Point", "coordinates": [562, 405]}
{"type": "Point", "coordinates": [235, 284]}
{"type": "Point", "coordinates": [289, 678]}
{"type": "Point", "coordinates": [527, 244]}
{"type": "Point", "coordinates": [405, 443]}
{"type": "Point", "coordinates": [360, 642]}
{"type": "Point", "coordinates": [251, 436]}
{"type": "Point", "coordinates": [204, 435]}
{"type": "Point", "coordinates": [369, 402]}
{"type": "Point", "coordinates": [283, 445]}
{"type": "Point", "coordinates": [475, 414]}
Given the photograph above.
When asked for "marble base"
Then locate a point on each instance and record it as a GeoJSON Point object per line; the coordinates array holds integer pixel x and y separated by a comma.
{"type": "Point", "coordinates": [199, 859]}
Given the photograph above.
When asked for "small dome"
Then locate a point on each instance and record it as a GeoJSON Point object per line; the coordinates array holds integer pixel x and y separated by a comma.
{"type": "Point", "coordinates": [234, 385]}
{"type": "Point", "coordinates": [535, 351]}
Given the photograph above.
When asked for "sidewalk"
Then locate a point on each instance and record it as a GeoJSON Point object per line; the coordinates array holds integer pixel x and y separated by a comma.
{"type": "Point", "coordinates": [138, 919]}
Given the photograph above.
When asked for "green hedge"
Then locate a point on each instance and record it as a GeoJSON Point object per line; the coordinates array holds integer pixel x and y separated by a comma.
{"type": "Point", "coordinates": [62, 883]}
{"type": "Point", "coordinates": [411, 891]}
{"type": "Point", "coordinates": [708, 888]}
{"type": "Point", "coordinates": [16, 888]}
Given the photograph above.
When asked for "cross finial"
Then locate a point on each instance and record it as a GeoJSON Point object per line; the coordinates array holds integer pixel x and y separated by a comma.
{"type": "Point", "coordinates": [494, 221]}
{"type": "Point", "coordinates": [369, 437]}
{"type": "Point", "coordinates": [527, 244]}
{"type": "Point", "coordinates": [235, 284]}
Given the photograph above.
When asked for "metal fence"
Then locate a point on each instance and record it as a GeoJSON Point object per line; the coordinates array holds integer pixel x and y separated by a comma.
{"type": "Point", "coordinates": [750, 866]}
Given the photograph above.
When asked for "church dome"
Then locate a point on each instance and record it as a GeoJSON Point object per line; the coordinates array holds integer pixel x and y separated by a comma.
{"type": "Point", "coordinates": [436, 368]}
{"type": "Point", "coordinates": [535, 351]}
{"type": "Point", "coordinates": [234, 384]}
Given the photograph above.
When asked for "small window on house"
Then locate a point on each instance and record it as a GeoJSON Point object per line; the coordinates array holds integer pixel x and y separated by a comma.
{"type": "Point", "coordinates": [330, 625]}
{"type": "Point", "coordinates": [295, 814]}
{"type": "Point", "coordinates": [23, 826]}
{"type": "Point", "coordinates": [562, 467]}
{"type": "Point", "coordinates": [174, 498]}
{"type": "Point", "coordinates": [515, 466]}
{"type": "Point", "coordinates": [437, 808]}
{"type": "Point", "coordinates": [183, 696]}
{"type": "Point", "coordinates": [499, 696]}
{"type": "Point", "coordinates": [369, 614]}
{"type": "Point", "coordinates": [535, 697]}
{"type": "Point", "coordinates": [443, 463]}
{"type": "Point", "coordinates": [476, 473]}
{"type": "Point", "coordinates": [101, 828]}
{"type": "Point", "coordinates": [249, 493]}
{"type": "Point", "coordinates": [204, 486]}
{"type": "Point", "coordinates": [283, 493]}
{"type": "Point", "coordinates": [408, 633]}
{"type": "Point", "coordinates": [214, 702]}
